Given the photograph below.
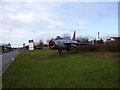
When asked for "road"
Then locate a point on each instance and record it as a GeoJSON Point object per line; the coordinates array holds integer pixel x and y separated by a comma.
{"type": "Point", "coordinates": [7, 59]}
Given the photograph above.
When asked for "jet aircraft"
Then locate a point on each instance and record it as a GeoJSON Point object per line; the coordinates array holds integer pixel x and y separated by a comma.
{"type": "Point", "coordinates": [64, 43]}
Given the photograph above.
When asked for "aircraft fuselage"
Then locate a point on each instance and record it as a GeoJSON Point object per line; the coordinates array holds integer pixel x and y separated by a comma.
{"type": "Point", "coordinates": [62, 44]}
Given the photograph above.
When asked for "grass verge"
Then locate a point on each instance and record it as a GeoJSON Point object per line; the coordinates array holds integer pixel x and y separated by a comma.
{"type": "Point", "coordinates": [44, 69]}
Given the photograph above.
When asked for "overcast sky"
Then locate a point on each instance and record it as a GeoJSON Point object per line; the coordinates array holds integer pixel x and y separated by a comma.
{"type": "Point", "coordinates": [21, 21]}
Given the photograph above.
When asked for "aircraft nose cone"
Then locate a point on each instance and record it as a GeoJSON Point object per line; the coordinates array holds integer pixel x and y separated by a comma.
{"type": "Point", "coordinates": [51, 44]}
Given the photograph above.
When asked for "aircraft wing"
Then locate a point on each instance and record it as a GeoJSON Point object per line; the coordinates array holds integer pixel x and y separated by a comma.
{"type": "Point", "coordinates": [66, 43]}
{"type": "Point", "coordinates": [70, 44]}
{"type": "Point", "coordinates": [83, 43]}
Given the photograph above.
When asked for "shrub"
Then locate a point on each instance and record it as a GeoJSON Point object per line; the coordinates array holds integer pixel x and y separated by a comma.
{"type": "Point", "coordinates": [88, 48]}
{"type": "Point", "coordinates": [112, 47]}
{"type": "Point", "coordinates": [109, 47]}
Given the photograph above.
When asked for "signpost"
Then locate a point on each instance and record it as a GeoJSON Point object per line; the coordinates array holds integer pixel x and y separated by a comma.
{"type": "Point", "coordinates": [31, 45]}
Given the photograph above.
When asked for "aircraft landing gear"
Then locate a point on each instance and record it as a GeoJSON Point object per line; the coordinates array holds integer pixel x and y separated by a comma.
{"type": "Point", "coordinates": [59, 52]}
{"type": "Point", "coordinates": [77, 49]}
{"type": "Point", "coordinates": [68, 50]}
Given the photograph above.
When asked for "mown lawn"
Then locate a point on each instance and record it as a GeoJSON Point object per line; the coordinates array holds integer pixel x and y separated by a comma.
{"type": "Point", "coordinates": [44, 69]}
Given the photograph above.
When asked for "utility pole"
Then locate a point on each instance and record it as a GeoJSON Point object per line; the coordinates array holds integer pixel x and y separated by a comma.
{"type": "Point", "coordinates": [98, 36]}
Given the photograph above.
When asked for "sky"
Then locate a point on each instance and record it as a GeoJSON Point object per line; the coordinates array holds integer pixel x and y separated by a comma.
{"type": "Point", "coordinates": [23, 21]}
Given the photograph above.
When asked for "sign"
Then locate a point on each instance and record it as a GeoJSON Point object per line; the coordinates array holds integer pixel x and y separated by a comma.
{"type": "Point", "coordinates": [30, 41]}
{"type": "Point", "coordinates": [31, 45]}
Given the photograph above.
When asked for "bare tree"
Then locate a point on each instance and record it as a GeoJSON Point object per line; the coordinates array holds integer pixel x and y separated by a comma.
{"type": "Point", "coordinates": [35, 43]}
{"type": "Point", "coordinates": [79, 38]}
{"type": "Point", "coordinates": [49, 40]}
{"type": "Point", "coordinates": [82, 39]}
{"type": "Point", "coordinates": [66, 35]}
{"type": "Point", "coordinates": [40, 44]}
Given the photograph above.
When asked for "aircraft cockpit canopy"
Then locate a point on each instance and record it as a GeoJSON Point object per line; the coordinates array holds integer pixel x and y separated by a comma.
{"type": "Point", "coordinates": [58, 37]}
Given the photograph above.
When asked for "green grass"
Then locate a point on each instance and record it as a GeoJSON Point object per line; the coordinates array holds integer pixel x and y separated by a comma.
{"type": "Point", "coordinates": [81, 70]}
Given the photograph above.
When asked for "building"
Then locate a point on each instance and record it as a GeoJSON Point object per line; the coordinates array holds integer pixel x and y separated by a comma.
{"type": "Point", "coordinates": [93, 42]}
{"type": "Point", "coordinates": [45, 46]}
{"type": "Point", "coordinates": [111, 39]}
{"type": "Point", "coordinates": [4, 48]}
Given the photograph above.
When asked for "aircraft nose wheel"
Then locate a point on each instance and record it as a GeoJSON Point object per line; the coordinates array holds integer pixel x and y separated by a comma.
{"type": "Point", "coordinates": [77, 49]}
{"type": "Point", "coordinates": [59, 52]}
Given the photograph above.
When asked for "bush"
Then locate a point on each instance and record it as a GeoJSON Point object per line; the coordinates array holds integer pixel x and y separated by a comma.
{"type": "Point", "coordinates": [108, 47]}
{"type": "Point", "coordinates": [88, 48]}
{"type": "Point", "coordinates": [112, 47]}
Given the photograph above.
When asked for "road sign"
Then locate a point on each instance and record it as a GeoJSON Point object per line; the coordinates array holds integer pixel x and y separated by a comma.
{"type": "Point", "coordinates": [31, 45]}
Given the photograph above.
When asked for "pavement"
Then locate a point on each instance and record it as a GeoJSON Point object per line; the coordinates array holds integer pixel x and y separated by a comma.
{"type": "Point", "coordinates": [8, 58]}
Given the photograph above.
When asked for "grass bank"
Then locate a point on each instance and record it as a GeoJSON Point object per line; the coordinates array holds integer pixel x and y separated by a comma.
{"type": "Point", "coordinates": [44, 69]}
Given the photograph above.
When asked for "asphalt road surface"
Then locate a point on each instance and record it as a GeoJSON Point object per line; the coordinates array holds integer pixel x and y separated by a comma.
{"type": "Point", "coordinates": [7, 59]}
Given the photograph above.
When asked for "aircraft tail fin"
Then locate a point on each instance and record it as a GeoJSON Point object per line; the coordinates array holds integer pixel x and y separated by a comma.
{"type": "Point", "coordinates": [74, 35]}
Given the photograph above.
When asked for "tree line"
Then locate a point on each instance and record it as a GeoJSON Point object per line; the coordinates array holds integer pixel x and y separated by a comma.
{"type": "Point", "coordinates": [98, 46]}
{"type": "Point", "coordinates": [81, 39]}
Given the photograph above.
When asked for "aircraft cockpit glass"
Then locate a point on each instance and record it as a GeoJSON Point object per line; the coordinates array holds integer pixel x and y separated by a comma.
{"type": "Point", "coordinates": [58, 37]}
